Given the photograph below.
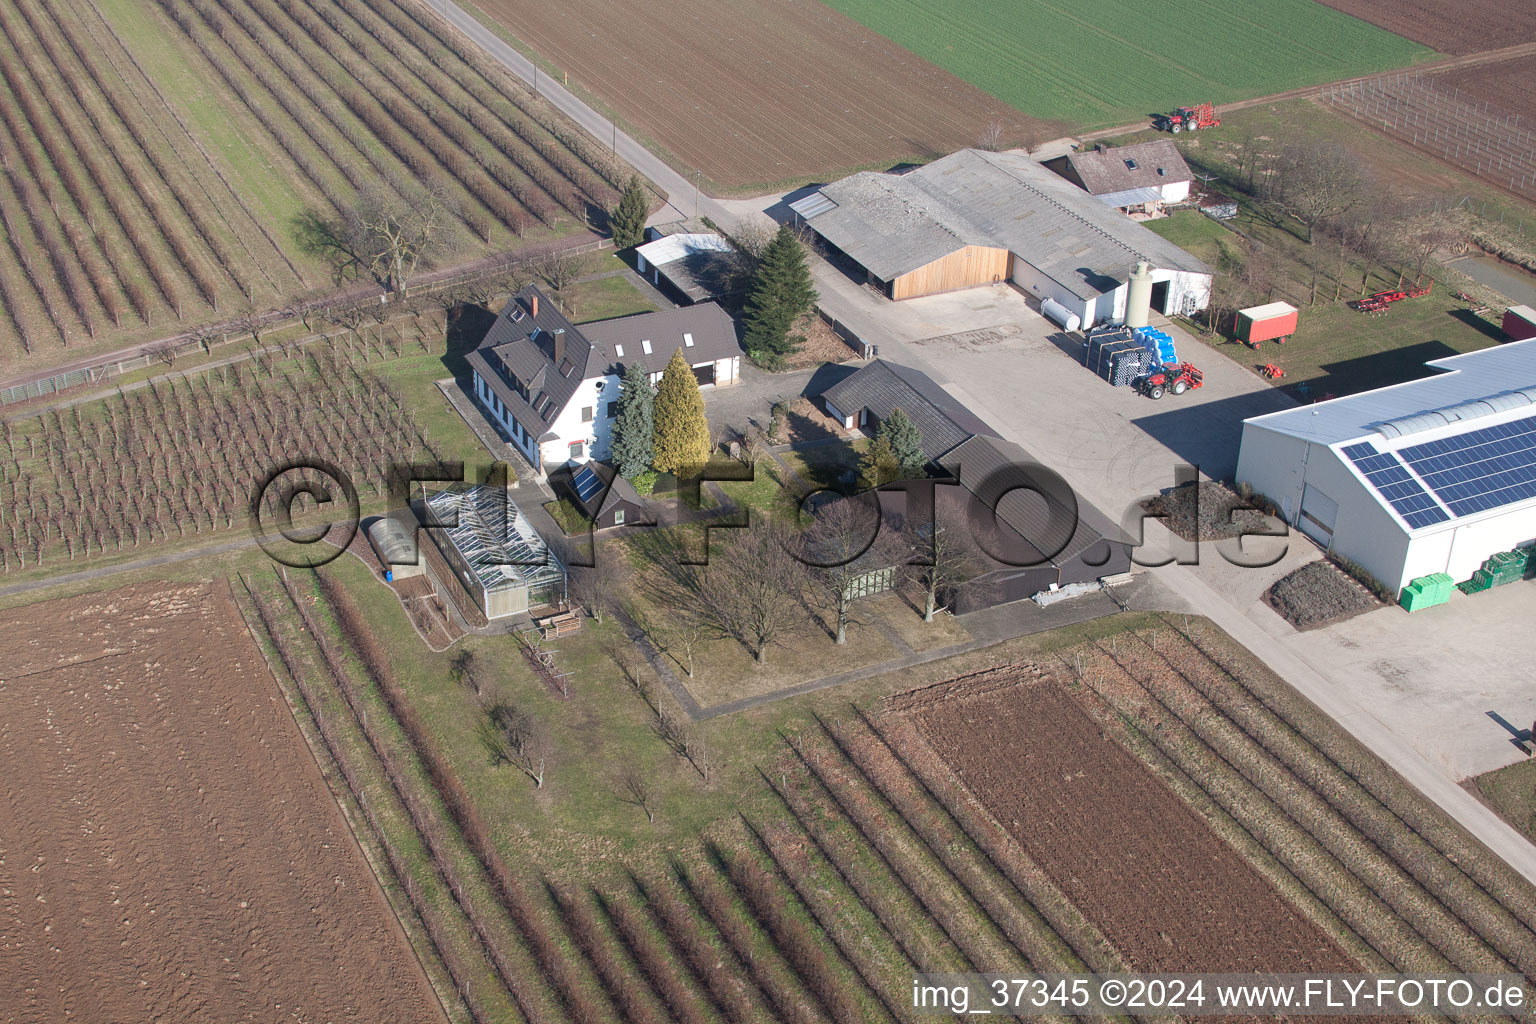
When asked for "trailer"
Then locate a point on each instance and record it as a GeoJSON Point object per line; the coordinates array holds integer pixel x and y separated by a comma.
{"type": "Point", "coordinates": [1520, 323]}
{"type": "Point", "coordinates": [1273, 321]}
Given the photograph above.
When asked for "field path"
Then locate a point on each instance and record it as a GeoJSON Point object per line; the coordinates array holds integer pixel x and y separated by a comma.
{"type": "Point", "coordinates": [1499, 56]}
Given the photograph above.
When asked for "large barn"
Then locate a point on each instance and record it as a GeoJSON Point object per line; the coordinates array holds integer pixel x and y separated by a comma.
{"type": "Point", "coordinates": [1430, 476]}
{"type": "Point", "coordinates": [976, 218]}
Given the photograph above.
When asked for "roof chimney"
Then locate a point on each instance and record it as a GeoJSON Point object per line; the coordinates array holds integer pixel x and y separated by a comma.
{"type": "Point", "coordinates": [533, 304]}
{"type": "Point", "coordinates": [559, 337]}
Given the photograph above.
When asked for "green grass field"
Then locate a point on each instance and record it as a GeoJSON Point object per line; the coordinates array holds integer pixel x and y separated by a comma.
{"type": "Point", "coordinates": [1124, 60]}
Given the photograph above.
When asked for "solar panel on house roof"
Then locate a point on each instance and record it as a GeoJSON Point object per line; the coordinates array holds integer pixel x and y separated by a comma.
{"type": "Point", "coordinates": [1480, 469]}
{"type": "Point", "coordinates": [586, 483]}
{"type": "Point", "coordinates": [1397, 485]}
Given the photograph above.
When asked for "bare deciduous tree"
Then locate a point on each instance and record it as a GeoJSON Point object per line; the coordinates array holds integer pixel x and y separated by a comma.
{"type": "Point", "coordinates": [514, 737]}
{"type": "Point", "coordinates": [751, 590]}
{"type": "Point", "coordinates": [591, 586]}
{"type": "Point", "coordinates": [634, 787]}
{"type": "Point", "coordinates": [388, 237]}
{"type": "Point", "coordinates": [683, 638]}
{"type": "Point", "coordinates": [1314, 182]}
{"type": "Point", "coordinates": [164, 351]}
{"type": "Point", "coordinates": [951, 562]}
{"type": "Point", "coordinates": [559, 269]}
{"type": "Point", "coordinates": [842, 545]}
{"type": "Point", "coordinates": [991, 137]}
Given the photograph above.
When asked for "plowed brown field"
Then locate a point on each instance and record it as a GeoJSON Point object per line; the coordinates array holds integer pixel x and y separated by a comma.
{"type": "Point", "coordinates": [168, 848]}
{"type": "Point", "coordinates": [1509, 86]}
{"type": "Point", "coordinates": [1468, 26]}
{"type": "Point", "coordinates": [1160, 885]}
{"type": "Point", "coordinates": [759, 91]}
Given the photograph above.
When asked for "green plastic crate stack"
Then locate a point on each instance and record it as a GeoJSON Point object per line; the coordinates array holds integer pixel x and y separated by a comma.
{"type": "Point", "coordinates": [1501, 568]}
{"type": "Point", "coordinates": [1426, 592]}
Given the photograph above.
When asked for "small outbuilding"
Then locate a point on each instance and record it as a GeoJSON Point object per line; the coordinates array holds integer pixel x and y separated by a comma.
{"type": "Point", "coordinates": [502, 563]}
{"type": "Point", "coordinates": [690, 266]}
{"type": "Point", "coordinates": [602, 495]}
{"type": "Point", "coordinates": [1520, 323]}
{"type": "Point", "coordinates": [869, 394]}
{"type": "Point", "coordinates": [1033, 533]}
{"type": "Point", "coordinates": [1142, 177]}
{"type": "Point", "coordinates": [395, 546]}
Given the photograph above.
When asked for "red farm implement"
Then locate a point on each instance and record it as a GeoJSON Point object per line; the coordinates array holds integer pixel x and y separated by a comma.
{"type": "Point", "coordinates": [1272, 371]}
{"type": "Point", "coordinates": [1379, 301]}
{"type": "Point", "coordinates": [1187, 119]}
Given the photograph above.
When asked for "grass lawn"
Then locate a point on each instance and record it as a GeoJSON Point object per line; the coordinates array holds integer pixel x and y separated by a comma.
{"type": "Point", "coordinates": [578, 822]}
{"type": "Point", "coordinates": [823, 464]}
{"type": "Point", "coordinates": [1338, 351]}
{"type": "Point", "coordinates": [605, 298]}
{"type": "Point", "coordinates": [1114, 63]}
{"type": "Point", "coordinates": [1511, 791]}
{"type": "Point", "coordinates": [1195, 233]}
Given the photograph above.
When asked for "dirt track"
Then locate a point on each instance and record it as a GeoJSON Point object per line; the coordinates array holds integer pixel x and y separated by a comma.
{"type": "Point", "coordinates": [1149, 873]}
{"type": "Point", "coordinates": [170, 851]}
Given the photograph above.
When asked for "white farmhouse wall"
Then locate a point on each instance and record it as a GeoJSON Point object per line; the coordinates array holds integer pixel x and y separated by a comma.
{"type": "Point", "coordinates": [1176, 192]}
{"type": "Point", "coordinates": [494, 411]}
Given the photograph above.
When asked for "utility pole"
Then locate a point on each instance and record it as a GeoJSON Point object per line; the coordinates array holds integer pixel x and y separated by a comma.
{"type": "Point", "coordinates": [696, 173]}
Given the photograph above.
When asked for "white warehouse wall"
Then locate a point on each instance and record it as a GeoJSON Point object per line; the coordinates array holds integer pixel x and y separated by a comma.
{"type": "Point", "coordinates": [1280, 466]}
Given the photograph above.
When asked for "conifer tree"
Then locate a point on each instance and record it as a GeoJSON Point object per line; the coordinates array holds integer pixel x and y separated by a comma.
{"type": "Point", "coordinates": [781, 294]}
{"type": "Point", "coordinates": [681, 435]}
{"type": "Point", "coordinates": [628, 219]}
{"type": "Point", "coordinates": [633, 427]}
{"type": "Point", "coordinates": [905, 442]}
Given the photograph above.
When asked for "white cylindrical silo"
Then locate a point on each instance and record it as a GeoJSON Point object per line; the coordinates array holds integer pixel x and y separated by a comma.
{"type": "Point", "coordinates": [1060, 314]}
{"type": "Point", "coordinates": [1138, 303]}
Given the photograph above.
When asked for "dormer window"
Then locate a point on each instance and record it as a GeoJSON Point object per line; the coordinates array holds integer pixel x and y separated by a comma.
{"type": "Point", "coordinates": [645, 346]}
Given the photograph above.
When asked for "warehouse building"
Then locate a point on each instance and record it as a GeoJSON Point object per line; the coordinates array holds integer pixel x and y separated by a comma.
{"type": "Point", "coordinates": [976, 218]}
{"type": "Point", "coordinates": [1431, 476]}
{"type": "Point", "coordinates": [1140, 178]}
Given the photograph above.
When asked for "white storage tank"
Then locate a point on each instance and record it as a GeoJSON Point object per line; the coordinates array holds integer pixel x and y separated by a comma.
{"type": "Point", "coordinates": [1138, 304]}
{"type": "Point", "coordinates": [1061, 315]}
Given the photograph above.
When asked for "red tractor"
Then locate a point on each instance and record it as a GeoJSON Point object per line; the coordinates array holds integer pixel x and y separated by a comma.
{"type": "Point", "coordinates": [1187, 119]}
{"type": "Point", "coordinates": [1175, 377]}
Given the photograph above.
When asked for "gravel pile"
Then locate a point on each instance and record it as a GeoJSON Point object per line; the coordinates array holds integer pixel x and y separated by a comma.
{"type": "Point", "coordinates": [1318, 594]}
{"type": "Point", "coordinates": [1221, 513]}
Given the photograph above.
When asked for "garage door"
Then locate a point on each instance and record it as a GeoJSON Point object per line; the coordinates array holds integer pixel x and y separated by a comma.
{"type": "Point", "coordinates": [1317, 515]}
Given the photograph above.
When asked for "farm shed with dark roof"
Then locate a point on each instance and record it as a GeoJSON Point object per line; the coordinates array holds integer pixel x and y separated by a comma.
{"type": "Point", "coordinates": [974, 218]}
{"type": "Point", "coordinates": [1148, 173]}
{"type": "Point", "coordinates": [1041, 534]}
{"type": "Point", "coordinates": [869, 394]}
